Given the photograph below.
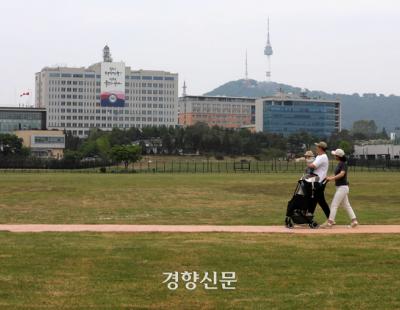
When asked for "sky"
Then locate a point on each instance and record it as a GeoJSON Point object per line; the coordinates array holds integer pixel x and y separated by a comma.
{"type": "Point", "coordinates": [335, 46]}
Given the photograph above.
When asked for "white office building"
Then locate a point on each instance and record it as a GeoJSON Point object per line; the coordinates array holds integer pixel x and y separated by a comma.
{"type": "Point", "coordinates": [377, 151]}
{"type": "Point", "coordinates": [106, 95]}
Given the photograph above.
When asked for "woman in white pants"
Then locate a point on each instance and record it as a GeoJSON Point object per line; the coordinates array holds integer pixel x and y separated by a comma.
{"type": "Point", "coordinates": [342, 191]}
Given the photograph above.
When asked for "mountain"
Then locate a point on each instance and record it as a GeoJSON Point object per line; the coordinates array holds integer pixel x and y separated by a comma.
{"type": "Point", "coordinates": [384, 110]}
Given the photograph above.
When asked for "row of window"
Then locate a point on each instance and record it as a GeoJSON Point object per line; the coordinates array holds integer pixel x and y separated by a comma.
{"type": "Point", "coordinates": [48, 139]}
{"type": "Point", "coordinates": [98, 83]}
{"type": "Point", "coordinates": [132, 112]}
{"type": "Point", "coordinates": [300, 103]}
{"type": "Point", "coordinates": [106, 118]}
{"type": "Point", "coordinates": [302, 110]}
{"type": "Point", "coordinates": [105, 125]}
{"type": "Point", "coordinates": [225, 111]}
{"type": "Point", "coordinates": [97, 90]}
{"type": "Point", "coordinates": [4, 115]}
{"type": "Point", "coordinates": [92, 76]}
{"type": "Point", "coordinates": [12, 125]}
{"type": "Point", "coordinates": [137, 98]}
{"type": "Point", "coordinates": [221, 116]}
{"type": "Point", "coordinates": [312, 125]}
{"type": "Point", "coordinates": [222, 122]}
{"type": "Point", "coordinates": [286, 117]}
{"type": "Point", "coordinates": [105, 109]}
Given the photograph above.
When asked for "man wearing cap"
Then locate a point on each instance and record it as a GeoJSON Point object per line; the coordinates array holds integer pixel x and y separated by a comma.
{"type": "Point", "coordinates": [320, 166]}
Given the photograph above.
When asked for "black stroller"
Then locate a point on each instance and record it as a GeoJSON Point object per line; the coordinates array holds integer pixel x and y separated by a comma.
{"type": "Point", "coordinates": [300, 206]}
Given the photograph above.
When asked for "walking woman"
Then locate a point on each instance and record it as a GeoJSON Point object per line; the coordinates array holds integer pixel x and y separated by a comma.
{"type": "Point", "coordinates": [342, 191]}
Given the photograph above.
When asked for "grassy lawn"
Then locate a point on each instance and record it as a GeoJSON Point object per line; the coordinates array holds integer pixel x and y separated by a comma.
{"type": "Point", "coordinates": [230, 199]}
{"type": "Point", "coordinates": [112, 271]}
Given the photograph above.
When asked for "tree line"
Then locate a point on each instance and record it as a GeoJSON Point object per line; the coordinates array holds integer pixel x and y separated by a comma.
{"type": "Point", "coordinates": [127, 146]}
{"type": "Point", "coordinates": [215, 141]}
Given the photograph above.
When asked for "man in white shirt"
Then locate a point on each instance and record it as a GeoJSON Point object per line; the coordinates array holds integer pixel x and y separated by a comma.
{"type": "Point", "coordinates": [320, 166]}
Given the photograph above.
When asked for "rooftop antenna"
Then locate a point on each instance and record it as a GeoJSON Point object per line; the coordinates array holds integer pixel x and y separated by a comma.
{"type": "Point", "coordinates": [268, 52]}
{"type": "Point", "coordinates": [184, 89]}
{"type": "Point", "coordinates": [184, 101]}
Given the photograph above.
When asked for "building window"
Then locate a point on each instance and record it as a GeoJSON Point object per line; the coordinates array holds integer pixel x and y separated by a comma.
{"type": "Point", "coordinates": [48, 139]}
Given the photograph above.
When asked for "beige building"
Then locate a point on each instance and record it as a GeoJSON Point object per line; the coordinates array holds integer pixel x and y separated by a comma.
{"type": "Point", "coordinates": [227, 112]}
{"type": "Point", "coordinates": [43, 143]}
{"type": "Point", "coordinates": [106, 95]}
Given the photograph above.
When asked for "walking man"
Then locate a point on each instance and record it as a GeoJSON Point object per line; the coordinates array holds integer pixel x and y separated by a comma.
{"type": "Point", "coordinates": [320, 166]}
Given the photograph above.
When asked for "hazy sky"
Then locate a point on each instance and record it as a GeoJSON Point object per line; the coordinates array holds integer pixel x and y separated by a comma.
{"type": "Point", "coordinates": [337, 46]}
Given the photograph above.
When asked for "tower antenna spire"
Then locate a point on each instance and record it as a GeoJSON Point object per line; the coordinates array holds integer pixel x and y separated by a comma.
{"type": "Point", "coordinates": [246, 71]}
{"type": "Point", "coordinates": [268, 52]}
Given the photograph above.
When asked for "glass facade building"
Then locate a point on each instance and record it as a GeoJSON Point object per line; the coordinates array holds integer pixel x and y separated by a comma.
{"type": "Point", "coordinates": [292, 115]}
{"type": "Point", "coordinates": [14, 118]}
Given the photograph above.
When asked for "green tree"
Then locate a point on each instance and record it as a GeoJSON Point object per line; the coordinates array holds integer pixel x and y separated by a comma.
{"type": "Point", "coordinates": [103, 146]}
{"type": "Point", "coordinates": [72, 156]}
{"type": "Point", "coordinates": [126, 154]}
{"type": "Point", "coordinates": [383, 134]}
{"type": "Point", "coordinates": [89, 149]}
{"type": "Point", "coordinates": [346, 146]}
{"type": "Point", "coordinates": [118, 137]}
{"type": "Point", "coordinates": [72, 142]}
{"type": "Point", "coordinates": [367, 128]}
{"type": "Point", "coordinates": [11, 145]}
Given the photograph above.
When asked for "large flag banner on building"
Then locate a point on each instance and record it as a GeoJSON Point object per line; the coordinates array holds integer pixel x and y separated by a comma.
{"type": "Point", "coordinates": [112, 84]}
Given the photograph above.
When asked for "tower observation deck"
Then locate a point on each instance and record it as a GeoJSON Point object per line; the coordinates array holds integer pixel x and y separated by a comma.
{"type": "Point", "coordinates": [268, 52]}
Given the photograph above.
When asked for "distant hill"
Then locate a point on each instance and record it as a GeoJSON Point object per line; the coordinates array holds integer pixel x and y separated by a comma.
{"type": "Point", "coordinates": [385, 110]}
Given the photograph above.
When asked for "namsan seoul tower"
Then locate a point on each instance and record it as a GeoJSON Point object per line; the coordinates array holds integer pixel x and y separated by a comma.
{"type": "Point", "coordinates": [268, 52]}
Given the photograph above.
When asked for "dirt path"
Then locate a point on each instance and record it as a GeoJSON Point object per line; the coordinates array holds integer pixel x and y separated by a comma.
{"type": "Point", "coordinates": [362, 229]}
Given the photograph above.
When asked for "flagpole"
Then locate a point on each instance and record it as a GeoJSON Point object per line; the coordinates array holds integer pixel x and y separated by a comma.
{"type": "Point", "coordinates": [15, 96]}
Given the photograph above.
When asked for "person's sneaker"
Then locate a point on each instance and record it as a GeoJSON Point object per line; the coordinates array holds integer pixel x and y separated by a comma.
{"type": "Point", "coordinates": [326, 225]}
{"type": "Point", "coordinates": [354, 224]}
{"type": "Point", "coordinates": [334, 223]}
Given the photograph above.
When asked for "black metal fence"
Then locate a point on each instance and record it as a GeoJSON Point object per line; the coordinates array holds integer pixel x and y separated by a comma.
{"type": "Point", "coordinates": [192, 166]}
{"type": "Point", "coordinates": [47, 164]}
{"type": "Point", "coordinates": [256, 166]}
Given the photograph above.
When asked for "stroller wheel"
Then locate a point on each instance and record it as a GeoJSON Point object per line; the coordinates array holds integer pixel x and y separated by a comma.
{"type": "Point", "coordinates": [288, 222]}
{"type": "Point", "coordinates": [313, 225]}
